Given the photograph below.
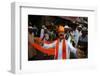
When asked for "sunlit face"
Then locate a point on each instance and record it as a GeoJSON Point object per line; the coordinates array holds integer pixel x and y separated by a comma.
{"type": "Point", "coordinates": [66, 30]}
{"type": "Point", "coordinates": [61, 35]}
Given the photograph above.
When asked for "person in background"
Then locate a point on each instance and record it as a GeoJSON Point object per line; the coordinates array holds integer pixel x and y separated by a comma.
{"type": "Point", "coordinates": [46, 36]}
{"type": "Point", "coordinates": [67, 32]}
{"type": "Point", "coordinates": [35, 30]}
{"type": "Point", "coordinates": [31, 51]}
{"type": "Point", "coordinates": [42, 31]}
{"type": "Point", "coordinates": [83, 43]}
{"type": "Point", "coordinates": [56, 32]}
{"type": "Point", "coordinates": [52, 35]}
{"type": "Point", "coordinates": [79, 28]}
{"type": "Point", "coordinates": [76, 35]}
{"type": "Point", "coordinates": [30, 34]}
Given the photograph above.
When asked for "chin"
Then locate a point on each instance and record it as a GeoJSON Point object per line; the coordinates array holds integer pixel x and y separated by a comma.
{"type": "Point", "coordinates": [61, 38]}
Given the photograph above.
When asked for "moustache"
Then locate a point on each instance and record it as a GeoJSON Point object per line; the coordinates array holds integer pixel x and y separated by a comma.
{"type": "Point", "coordinates": [61, 35]}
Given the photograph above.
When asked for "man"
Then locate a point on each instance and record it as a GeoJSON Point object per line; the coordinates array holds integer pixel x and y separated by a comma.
{"type": "Point", "coordinates": [42, 31]}
{"type": "Point", "coordinates": [31, 51]}
{"type": "Point", "coordinates": [66, 32]}
{"type": "Point", "coordinates": [61, 45]}
{"type": "Point", "coordinates": [46, 35]}
{"type": "Point", "coordinates": [76, 34]}
{"type": "Point", "coordinates": [35, 30]}
{"type": "Point", "coordinates": [83, 43]}
{"type": "Point", "coordinates": [79, 28]}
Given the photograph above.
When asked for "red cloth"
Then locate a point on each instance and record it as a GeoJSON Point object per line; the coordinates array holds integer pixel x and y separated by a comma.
{"type": "Point", "coordinates": [63, 50]}
{"type": "Point", "coordinates": [50, 51]}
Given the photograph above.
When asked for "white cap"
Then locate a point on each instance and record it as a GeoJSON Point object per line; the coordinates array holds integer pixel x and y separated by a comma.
{"type": "Point", "coordinates": [30, 27]}
{"type": "Point", "coordinates": [66, 26]}
{"type": "Point", "coordinates": [43, 26]}
{"type": "Point", "coordinates": [80, 26]}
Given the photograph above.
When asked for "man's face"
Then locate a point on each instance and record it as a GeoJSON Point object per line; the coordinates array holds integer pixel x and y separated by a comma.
{"type": "Point", "coordinates": [66, 30]}
{"type": "Point", "coordinates": [61, 35]}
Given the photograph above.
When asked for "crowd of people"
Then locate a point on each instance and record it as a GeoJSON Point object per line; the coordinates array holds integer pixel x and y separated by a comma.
{"type": "Point", "coordinates": [76, 37]}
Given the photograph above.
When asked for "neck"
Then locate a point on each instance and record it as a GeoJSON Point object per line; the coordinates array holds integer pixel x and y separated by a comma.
{"type": "Point", "coordinates": [60, 39]}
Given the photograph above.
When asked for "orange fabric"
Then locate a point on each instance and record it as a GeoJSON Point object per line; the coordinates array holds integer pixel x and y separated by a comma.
{"type": "Point", "coordinates": [63, 50]}
{"type": "Point", "coordinates": [56, 49]}
{"type": "Point", "coordinates": [52, 51]}
{"type": "Point", "coordinates": [49, 51]}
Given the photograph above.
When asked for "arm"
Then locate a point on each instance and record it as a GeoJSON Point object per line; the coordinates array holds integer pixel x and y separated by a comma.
{"type": "Point", "coordinates": [72, 49]}
{"type": "Point", "coordinates": [51, 45]}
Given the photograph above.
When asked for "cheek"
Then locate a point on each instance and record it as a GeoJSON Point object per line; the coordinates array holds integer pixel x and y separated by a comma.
{"type": "Point", "coordinates": [58, 34]}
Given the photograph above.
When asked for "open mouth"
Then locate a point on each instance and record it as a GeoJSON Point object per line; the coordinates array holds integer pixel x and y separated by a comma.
{"type": "Point", "coordinates": [62, 35]}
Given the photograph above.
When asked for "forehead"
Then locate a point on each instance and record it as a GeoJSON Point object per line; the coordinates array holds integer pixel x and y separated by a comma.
{"type": "Point", "coordinates": [61, 32]}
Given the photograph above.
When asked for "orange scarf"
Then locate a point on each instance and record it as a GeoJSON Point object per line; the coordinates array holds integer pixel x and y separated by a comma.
{"type": "Point", "coordinates": [63, 50]}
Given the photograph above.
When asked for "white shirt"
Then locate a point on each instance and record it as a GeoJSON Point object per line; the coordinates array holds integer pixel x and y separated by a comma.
{"type": "Point", "coordinates": [42, 33]}
{"type": "Point", "coordinates": [77, 34]}
{"type": "Point", "coordinates": [69, 48]}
